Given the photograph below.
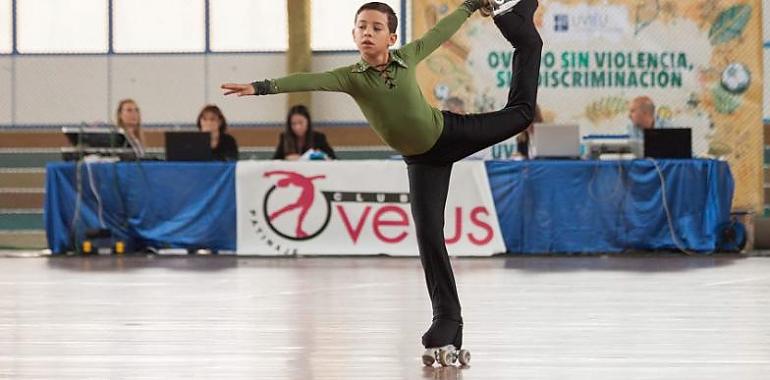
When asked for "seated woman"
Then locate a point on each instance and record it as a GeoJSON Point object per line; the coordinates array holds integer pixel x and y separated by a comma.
{"type": "Point", "coordinates": [299, 138]}
{"type": "Point", "coordinates": [223, 146]}
{"type": "Point", "coordinates": [129, 120]}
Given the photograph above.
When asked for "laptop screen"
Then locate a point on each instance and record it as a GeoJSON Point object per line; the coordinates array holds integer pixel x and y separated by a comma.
{"type": "Point", "coordinates": [188, 146]}
{"type": "Point", "coordinates": [668, 143]}
{"type": "Point", "coordinates": [555, 141]}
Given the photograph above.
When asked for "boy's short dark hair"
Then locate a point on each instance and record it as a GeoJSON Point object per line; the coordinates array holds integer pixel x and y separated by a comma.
{"type": "Point", "coordinates": [384, 8]}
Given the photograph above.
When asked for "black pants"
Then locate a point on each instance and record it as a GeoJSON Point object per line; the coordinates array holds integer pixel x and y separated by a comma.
{"type": "Point", "coordinates": [462, 136]}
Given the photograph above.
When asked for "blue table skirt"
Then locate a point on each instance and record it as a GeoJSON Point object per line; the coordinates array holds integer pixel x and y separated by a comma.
{"type": "Point", "coordinates": [610, 206]}
{"type": "Point", "coordinates": [543, 206]}
{"type": "Point", "coordinates": [158, 204]}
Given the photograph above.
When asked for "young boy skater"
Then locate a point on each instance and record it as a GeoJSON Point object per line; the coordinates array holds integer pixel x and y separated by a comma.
{"type": "Point", "coordinates": [384, 85]}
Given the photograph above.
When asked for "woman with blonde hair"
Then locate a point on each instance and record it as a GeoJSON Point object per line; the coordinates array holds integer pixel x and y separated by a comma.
{"type": "Point", "coordinates": [129, 120]}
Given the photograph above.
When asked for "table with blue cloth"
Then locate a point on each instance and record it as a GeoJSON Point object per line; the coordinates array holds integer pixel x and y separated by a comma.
{"type": "Point", "coordinates": [611, 206]}
{"type": "Point", "coordinates": [544, 207]}
{"type": "Point", "coordinates": [145, 204]}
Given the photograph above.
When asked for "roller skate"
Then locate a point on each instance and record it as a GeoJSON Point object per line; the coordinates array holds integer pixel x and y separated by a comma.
{"type": "Point", "coordinates": [497, 7]}
{"type": "Point", "coordinates": [436, 349]}
{"type": "Point", "coordinates": [446, 356]}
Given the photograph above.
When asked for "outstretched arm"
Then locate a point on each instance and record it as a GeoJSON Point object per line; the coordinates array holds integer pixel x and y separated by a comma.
{"type": "Point", "coordinates": [335, 80]}
{"type": "Point", "coordinates": [418, 49]}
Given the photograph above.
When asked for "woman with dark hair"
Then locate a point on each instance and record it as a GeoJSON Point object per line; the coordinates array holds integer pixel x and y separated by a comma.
{"type": "Point", "coordinates": [299, 137]}
{"type": "Point", "coordinates": [223, 146]}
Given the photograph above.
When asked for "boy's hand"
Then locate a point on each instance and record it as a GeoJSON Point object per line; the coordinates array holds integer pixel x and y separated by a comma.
{"type": "Point", "coordinates": [238, 89]}
{"type": "Point", "coordinates": [254, 88]}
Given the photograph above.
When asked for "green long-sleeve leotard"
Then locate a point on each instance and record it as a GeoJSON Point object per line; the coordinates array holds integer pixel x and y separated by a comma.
{"type": "Point", "coordinates": [392, 101]}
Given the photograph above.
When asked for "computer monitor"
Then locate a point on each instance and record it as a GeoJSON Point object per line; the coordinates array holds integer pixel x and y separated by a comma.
{"type": "Point", "coordinates": [95, 137]}
{"type": "Point", "coordinates": [555, 141]}
{"type": "Point", "coordinates": [102, 141]}
{"type": "Point", "coordinates": [188, 146]}
{"type": "Point", "coordinates": [668, 143]}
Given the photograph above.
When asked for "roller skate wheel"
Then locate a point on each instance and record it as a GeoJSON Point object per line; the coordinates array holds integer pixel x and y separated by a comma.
{"type": "Point", "coordinates": [465, 357]}
{"type": "Point", "coordinates": [446, 358]}
{"type": "Point", "coordinates": [428, 359]}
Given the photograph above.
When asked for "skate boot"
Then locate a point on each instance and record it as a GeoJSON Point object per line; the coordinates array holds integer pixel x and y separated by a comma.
{"type": "Point", "coordinates": [497, 7]}
{"type": "Point", "coordinates": [443, 344]}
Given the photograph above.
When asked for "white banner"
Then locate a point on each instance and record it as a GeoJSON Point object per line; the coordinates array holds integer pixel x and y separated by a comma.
{"type": "Point", "coordinates": [360, 207]}
{"type": "Point", "coordinates": [504, 150]}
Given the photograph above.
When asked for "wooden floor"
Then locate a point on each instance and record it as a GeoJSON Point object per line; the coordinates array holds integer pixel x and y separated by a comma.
{"type": "Point", "coordinates": [361, 318]}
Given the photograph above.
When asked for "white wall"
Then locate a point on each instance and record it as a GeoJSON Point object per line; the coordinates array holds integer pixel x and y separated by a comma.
{"type": "Point", "coordinates": [5, 90]}
{"type": "Point", "coordinates": [51, 90]}
{"type": "Point", "coordinates": [169, 88]}
{"type": "Point", "coordinates": [66, 89]}
{"type": "Point", "coordinates": [246, 68]}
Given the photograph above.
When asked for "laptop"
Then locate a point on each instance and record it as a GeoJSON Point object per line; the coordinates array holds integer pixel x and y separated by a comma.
{"type": "Point", "coordinates": [668, 143]}
{"type": "Point", "coordinates": [188, 146]}
{"type": "Point", "coordinates": [555, 141]}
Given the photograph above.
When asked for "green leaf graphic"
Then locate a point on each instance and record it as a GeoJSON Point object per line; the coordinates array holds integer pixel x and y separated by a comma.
{"type": "Point", "coordinates": [725, 102]}
{"type": "Point", "coordinates": [730, 24]}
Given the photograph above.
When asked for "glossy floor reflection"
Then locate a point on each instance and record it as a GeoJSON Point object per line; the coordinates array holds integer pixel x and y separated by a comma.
{"type": "Point", "coordinates": [662, 317]}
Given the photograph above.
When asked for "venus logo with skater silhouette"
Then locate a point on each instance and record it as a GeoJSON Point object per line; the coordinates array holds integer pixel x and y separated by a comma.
{"type": "Point", "coordinates": [286, 210]}
{"type": "Point", "coordinates": [355, 208]}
